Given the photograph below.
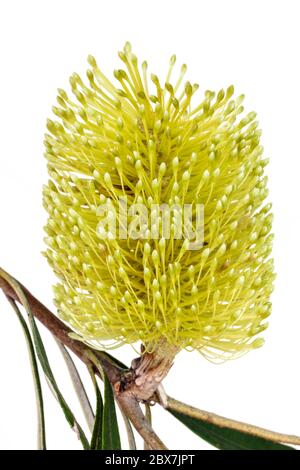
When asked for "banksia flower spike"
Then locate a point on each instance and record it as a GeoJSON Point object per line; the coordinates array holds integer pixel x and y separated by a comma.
{"type": "Point", "coordinates": [142, 140]}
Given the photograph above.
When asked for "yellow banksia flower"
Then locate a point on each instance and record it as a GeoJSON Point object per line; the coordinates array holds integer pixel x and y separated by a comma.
{"type": "Point", "coordinates": [142, 138]}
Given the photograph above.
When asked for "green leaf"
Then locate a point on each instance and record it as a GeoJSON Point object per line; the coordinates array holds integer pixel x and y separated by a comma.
{"type": "Point", "coordinates": [42, 356]}
{"type": "Point", "coordinates": [36, 378]}
{"type": "Point", "coordinates": [39, 346]}
{"type": "Point", "coordinates": [96, 441]}
{"type": "Point", "coordinates": [110, 429]}
{"type": "Point", "coordinates": [226, 438]}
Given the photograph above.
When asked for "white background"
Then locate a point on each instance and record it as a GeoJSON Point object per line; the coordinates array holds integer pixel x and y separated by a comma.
{"type": "Point", "coordinates": [253, 44]}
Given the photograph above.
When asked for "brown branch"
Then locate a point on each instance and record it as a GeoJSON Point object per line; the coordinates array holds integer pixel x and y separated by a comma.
{"type": "Point", "coordinates": [49, 320]}
{"type": "Point", "coordinates": [128, 404]}
{"type": "Point", "coordinates": [132, 408]}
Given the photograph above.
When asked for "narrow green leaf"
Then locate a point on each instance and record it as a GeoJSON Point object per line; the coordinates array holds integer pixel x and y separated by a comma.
{"type": "Point", "coordinates": [110, 429]}
{"type": "Point", "coordinates": [226, 438]}
{"type": "Point", "coordinates": [39, 346]}
{"type": "Point", "coordinates": [36, 378]}
{"type": "Point", "coordinates": [42, 356]}
{"type": "Point", "coordinates": [96, 441]}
